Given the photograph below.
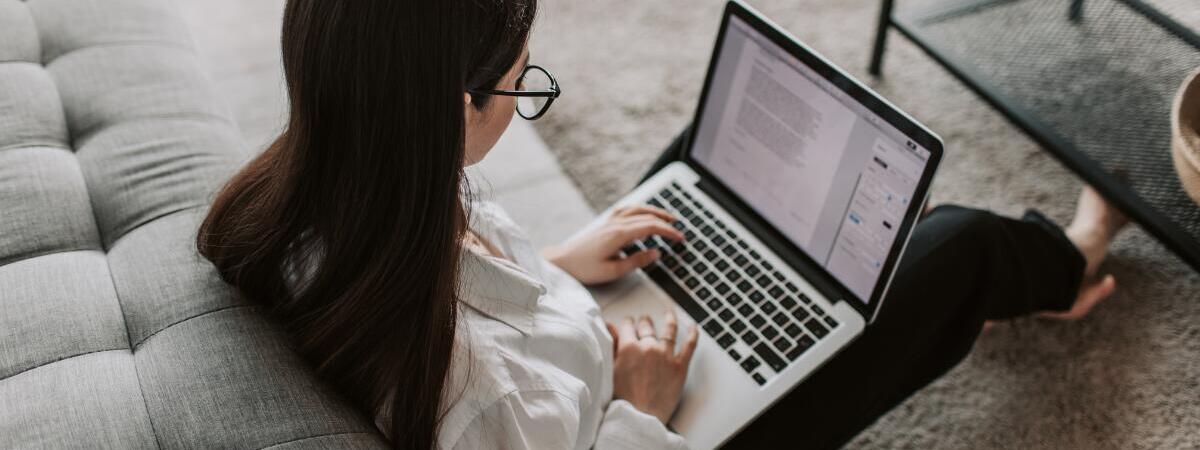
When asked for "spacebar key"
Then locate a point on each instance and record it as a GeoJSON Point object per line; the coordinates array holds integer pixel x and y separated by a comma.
{"type": "Point", "coordinates": [777, 364]}
{"type": "Point", "coordinates": [664, 281]}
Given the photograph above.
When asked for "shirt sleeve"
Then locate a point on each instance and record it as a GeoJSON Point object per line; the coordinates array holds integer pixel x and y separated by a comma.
{"type": "Point", "coordinates": [624, 427]}
{"type": "Point", "coordinates": [548, 420]}
{"type": "Point", "coordinates": [524, 420]}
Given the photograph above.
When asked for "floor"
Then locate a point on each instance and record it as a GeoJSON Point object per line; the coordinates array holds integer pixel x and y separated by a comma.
{"type": "Point", "coordinates": [1126, 377]}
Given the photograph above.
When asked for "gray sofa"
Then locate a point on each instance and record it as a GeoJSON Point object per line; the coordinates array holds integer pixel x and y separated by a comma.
{"type": "Point", "coordinates": [114, 333]}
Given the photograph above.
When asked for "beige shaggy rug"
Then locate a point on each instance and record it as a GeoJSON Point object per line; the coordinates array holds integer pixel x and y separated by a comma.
{"type": "Point", "coordinates": [1126, 377]}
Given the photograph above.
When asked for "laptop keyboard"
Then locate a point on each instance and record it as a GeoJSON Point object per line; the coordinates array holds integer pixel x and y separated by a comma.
{"type": "Point", "coordinates": [748, 307]}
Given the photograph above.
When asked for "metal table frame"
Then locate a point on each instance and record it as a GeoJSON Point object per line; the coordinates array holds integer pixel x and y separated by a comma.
{"type": "Point", "coordinates": [1158, 225]}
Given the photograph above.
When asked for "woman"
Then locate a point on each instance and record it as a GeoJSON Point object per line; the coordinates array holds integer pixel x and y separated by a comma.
{"type": "Point", "coordinates": [437, 317]}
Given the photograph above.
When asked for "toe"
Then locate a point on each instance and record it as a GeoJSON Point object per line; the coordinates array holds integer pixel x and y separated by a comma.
{"type": "Point", "coordinates": [1089, 296]}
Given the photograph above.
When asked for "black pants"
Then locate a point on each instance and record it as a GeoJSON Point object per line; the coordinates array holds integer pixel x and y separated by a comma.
{"type": "Point", "coordinates": [962, 267]}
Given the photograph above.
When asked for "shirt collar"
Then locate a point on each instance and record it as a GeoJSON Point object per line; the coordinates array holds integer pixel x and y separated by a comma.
{"type": "Point", "coordinates": [500, 289]}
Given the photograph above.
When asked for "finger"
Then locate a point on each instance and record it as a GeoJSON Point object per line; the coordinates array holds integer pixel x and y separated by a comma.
{"type": "Point", "coordinates": [620, 267]}
{"type": "Point", "coordinates": [689, 347]}
{"type": "Point", "coordinates": [645, 209]}
{"type": "Point", "coordinates": [642, 228]}
{"type": "Point", "coordinates": [645, 328]}
{"type": "Point", "coordinates": [627, 333]}
{"type": "Point", "coordinates": [614, 333]}
{"type": "Point", "coordinates": [670, 326]}
{"type": "Point", "coordinates": [643, 219]}
{"type": "Point", "coordinates": [619, 212]}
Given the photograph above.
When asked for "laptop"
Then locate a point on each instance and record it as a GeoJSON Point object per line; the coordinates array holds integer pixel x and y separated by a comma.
{"type": "Point", "coordinates": [797, 191]}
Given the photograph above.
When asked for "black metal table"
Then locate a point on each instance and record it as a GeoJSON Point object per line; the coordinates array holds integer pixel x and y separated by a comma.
{"type": "Point", "coordinates": [1092, 81]}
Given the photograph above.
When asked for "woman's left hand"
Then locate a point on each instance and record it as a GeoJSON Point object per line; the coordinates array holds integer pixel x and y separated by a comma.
{"type": "Point", "coordinates": [595, 257]}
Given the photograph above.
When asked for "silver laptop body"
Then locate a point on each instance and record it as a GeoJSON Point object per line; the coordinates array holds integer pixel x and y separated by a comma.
{"type": "Point", "coordinates": [798, 190]}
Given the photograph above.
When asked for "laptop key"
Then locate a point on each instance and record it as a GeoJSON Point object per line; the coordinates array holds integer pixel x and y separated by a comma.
{"type": "Point", "coordinates": [780, 319]}
{"type": "Point", "coordinates": [738, 326]}
{"type": "Point", "coordinates": [722, 288]}
{"type": "Point", "coordinates": [714, 304]}
{"type": "Point", "coordinates": [801, 314]}
{"type": "Point", "coordinates": [710, 255]}
{"type": "Point", "coordinates": [749, 337]}
{"type": "Point", "coordinates": [793, 330]}
{"type": "Point", "coordinates": [711, 278]}
{"type": "Point", "coordinates": [681, 297]}
{"type": "Point", "coordinates": [829, 321]}
{"type": "Point", "coordinates": [756, 296]}
{"type": "Point", "coordinates": [782, 344]}
{"type": "Point", "coordinates": [746, 310]}
{"type": "Point", "coordinates": [758, 378]}
{"type": "Point", "coordinates": [713, 328]}
{"type": "Point", "coordinates": [701, 268]}
{"type": "Point", "coordinates": [733, 353]}
{"type": "Point", "coordinates": [767, 307]}
{"type": "Point", "coordinates": [770, 357]}
{"type": "Point", "coordinates": [802, 344]}
{"type": "Point", "coordinates": [722, 265]}
{"type": "Point", "coordinates": [735, 298]}
{"type": "Point", "coordinates": [726, 340]}
{"type": "Point", "coordinates": [788, 303]}
{"type": "Point", "coordinates": [750, 364]}
{"type": "Point", "coordinates": [689, 258]}
{"type": "Point", "coordinates": [719, 240]}
{"type": "Point", "coordinates": [757, 321]}
{"type": "Point", "coordinates": [671, 263]}
{"type": "Point", "coordinates": [692, 282]}
{"type": "Point", "coordinates": [704, 293]}
{"type": "Point", "coordinates": [680, 271]}
{"type": "Point", "coordinates": [770, 332]}
{"type": "Point", "coordinates": [775, 292]}
{"type": "Point", "coordinates": [818, 310]}
{"type": "Point", "coordinates": [729, 250]}
{"type": "Point", "coordinates": [752, 270]}
{"type": "Point", "coordinates": [805, 299]}
{"type": "Point", "coordinates": [733, 276]}
{"type": "Point", "coordinates": [763, 281]}
{"type": "Point", "coordinates": [791, 287]}
{"type": "Point", "coordinates": [814, 326]}
{"type": "Point", "coordinates": [745, 286]}
{"type": "Point", "coordinates": [740, 260]}
{"type": "Point", "coordinates": [726, 315]}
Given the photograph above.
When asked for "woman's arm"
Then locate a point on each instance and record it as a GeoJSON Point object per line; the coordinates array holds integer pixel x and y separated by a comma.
{"type": "Point", "coordinates": [549, 420]}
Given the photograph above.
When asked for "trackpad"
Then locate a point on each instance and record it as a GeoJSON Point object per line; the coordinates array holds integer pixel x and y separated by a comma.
{"type": "Point", "coordinates": [634, 296]}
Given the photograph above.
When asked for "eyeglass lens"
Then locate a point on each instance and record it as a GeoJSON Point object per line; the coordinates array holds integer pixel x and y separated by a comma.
{"type": "Point", "coordinates": [534, 79]}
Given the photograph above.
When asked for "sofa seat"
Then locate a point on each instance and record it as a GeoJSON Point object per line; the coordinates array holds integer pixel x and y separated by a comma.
{"type": "Point", "coordinates": [114, 332]}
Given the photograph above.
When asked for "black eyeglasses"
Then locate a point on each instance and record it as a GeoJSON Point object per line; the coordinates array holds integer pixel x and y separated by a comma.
{"type": "Point", "coordinates": [536, 90]}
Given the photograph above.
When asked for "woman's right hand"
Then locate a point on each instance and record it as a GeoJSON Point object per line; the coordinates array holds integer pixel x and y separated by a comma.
{"type": "Point", "coordinates": [647, 372]}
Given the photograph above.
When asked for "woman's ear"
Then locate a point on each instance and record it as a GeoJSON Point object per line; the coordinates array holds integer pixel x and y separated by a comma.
{"type": "Point", "coordinates": [468, 110]}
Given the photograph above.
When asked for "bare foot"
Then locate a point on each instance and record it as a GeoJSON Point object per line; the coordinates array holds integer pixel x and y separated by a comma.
{"type": "Point", "coordinates": [1092, 230]}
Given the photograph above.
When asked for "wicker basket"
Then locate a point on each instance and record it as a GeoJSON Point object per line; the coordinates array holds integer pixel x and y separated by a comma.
{"type": "Point", "coordinates": [1185, 135]}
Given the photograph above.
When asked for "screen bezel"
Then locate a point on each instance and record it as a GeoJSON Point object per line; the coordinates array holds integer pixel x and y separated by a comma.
{"type": "Point", "coordinates": [814, 272]}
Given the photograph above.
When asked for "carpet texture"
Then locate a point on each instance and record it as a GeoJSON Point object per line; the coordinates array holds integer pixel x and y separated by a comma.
{"type": "Point", "coordinates": [1128, 376]}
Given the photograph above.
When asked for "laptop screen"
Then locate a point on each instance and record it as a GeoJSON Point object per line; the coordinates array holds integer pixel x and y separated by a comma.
{"type": "Point", "coordinates": [826, 172]}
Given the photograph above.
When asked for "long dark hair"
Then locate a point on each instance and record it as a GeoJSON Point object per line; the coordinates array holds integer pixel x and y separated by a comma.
{"type": "Point", "coordinates": [348, 227]}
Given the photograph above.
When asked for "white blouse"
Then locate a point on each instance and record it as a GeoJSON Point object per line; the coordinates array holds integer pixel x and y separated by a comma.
{"type": "Point", "coordinates": [533, 362]}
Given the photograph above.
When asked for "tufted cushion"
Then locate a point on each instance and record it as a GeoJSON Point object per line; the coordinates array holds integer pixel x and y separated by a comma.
{"type": "Point", "coordinates": [114, 332]}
